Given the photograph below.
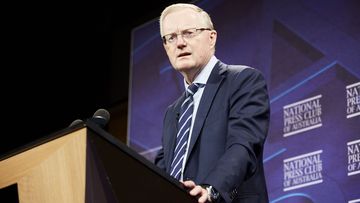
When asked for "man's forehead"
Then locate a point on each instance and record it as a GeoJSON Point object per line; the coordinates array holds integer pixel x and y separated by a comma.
{"type": "Point", "coordinates": [182, 19]}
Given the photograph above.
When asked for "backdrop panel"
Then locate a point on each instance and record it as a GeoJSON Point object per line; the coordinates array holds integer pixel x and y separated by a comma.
{"type": "Point", "coordinates": [309, 52]}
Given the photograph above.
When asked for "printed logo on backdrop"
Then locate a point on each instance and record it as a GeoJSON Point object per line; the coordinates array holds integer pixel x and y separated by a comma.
{"type": "Point", "coordinates": [353, 100]}
{"type": "Point", "coordinates": [302, 116]}
{"type": "Point", "coordinates": [353, 149]}
{"type": "Point", "coordinates": [303, 170]}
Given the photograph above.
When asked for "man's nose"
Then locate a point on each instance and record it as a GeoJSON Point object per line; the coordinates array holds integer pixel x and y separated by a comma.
{"type": "Point", "coordinates": [180, 41]}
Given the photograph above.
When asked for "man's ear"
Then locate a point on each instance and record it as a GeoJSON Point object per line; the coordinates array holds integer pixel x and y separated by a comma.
{"type": "Point", "coordinates": [213, 37]}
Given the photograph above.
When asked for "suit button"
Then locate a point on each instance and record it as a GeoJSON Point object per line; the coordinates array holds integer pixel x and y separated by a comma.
{"type": "Point", "coordinates": [188, 178]}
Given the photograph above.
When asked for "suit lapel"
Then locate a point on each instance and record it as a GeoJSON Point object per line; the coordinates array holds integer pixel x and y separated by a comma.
{"type": "Point", "coordinates": [209, 93]}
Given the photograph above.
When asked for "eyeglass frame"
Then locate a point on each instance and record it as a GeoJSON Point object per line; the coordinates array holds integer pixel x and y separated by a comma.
{"type": "Point", "coordinates": [183, 34]}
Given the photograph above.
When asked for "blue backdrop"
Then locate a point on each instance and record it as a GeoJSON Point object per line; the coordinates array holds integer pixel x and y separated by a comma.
{"type": "Point", "coordinates": [309, 52]}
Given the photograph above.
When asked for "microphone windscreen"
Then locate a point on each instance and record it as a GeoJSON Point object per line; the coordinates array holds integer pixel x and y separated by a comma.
{"type": "Point", "coordinates": [75, 122]}
{"type": "Point", "coordinates": [101, 117]}
{"type": "Point", "coordinates": [102, 113]}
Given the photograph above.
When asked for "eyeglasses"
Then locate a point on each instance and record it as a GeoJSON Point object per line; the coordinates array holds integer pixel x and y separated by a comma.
{"type": "Point", "coordinates": [186, 34]}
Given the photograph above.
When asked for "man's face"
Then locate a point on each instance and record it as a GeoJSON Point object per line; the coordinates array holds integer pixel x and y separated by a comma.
{"type": "Point", "coordinates": [188, 54]}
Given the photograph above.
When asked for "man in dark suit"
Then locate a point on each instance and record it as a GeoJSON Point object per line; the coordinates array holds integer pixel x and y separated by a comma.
{"type": "Point", "coordinates": [213, 135]}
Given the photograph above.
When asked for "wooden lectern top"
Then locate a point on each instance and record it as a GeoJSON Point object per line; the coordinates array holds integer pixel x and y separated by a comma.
{"type": "Point", "coordinates": [84, 163]}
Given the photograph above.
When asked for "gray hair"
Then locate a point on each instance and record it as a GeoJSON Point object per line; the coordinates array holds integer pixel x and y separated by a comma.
{"type": "Point", "coordinates": [181, 6]}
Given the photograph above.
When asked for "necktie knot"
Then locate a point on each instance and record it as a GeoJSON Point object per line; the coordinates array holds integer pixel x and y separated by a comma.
{"type": "Point", "coordinates": [193, 88]}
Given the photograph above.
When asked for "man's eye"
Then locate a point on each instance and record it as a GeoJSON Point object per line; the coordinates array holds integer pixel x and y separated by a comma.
{"type": "Point", "coordinates": [187, 33]}
{"type": "Point", "coordinates": [171, 37]}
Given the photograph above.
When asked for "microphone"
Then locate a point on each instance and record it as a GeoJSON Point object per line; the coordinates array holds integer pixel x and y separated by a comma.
{"type": "Point", "coordinates": [101, 117]}
{"type": "Point", "coordinates": [75, 122]}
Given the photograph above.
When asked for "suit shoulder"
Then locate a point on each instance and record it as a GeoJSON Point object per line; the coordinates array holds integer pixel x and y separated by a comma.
{"type": "Point", "coordinates": [238, 68]}
{"type": "Point", "coordinates": [243, 70]}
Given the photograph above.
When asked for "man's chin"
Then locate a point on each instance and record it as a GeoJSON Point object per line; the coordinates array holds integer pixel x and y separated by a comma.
{"type": "Point", "coordinates": [182, 65]}
{"type": "Point", "coordinates": [184, 68]}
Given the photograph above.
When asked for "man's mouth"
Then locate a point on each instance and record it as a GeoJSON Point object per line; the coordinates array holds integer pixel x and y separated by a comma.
{"type": "Point", "coordinates": [184, 54]}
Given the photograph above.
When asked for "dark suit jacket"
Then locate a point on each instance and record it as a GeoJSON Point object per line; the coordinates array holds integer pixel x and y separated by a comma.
{"type": "Point", "coordinates": [228, 136]}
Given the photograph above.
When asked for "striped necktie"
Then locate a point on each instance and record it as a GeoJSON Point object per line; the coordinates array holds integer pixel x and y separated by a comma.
{"type": "Point", "coordinates": [182, 136]}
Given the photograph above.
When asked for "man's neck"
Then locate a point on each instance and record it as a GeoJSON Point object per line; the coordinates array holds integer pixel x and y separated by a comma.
{"type": "Point", "coordinates": [190, 77]}
{"type": "Point", "coordinates": [194, 72]}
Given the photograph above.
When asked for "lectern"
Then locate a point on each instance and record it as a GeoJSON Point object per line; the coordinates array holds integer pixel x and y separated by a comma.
{"type": "Point", "coordinates": [84, 163]}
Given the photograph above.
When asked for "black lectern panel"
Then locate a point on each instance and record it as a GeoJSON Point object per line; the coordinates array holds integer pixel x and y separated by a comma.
{"type": "Point", "coordinates": [10, 194]}
{"type": "Point", "coordinates": [131, 177]}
